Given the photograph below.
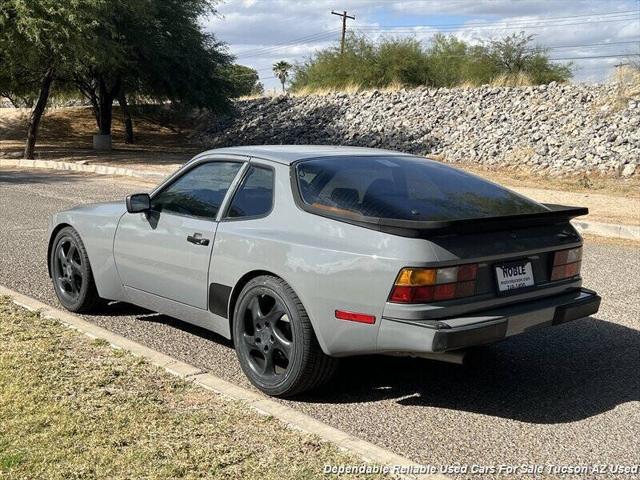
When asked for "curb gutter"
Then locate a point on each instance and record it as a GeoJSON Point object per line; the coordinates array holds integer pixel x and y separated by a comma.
{"type": "Point", "coordinates": [80, 167]}
{"type": "Point", "coordinates": [612, 230]}
{"type": "Point", "coordinates": [258, 402]}
{"type": "Point", "coordinates": [627, 232]}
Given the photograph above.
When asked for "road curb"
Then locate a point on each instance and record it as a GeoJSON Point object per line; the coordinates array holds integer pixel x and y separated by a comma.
{"type": "Point", "coordinates": [258, 402]}
{"type": "Point", "coordinates": [81, 167]}
{"type": "Point", "coordinates": [612, 230]}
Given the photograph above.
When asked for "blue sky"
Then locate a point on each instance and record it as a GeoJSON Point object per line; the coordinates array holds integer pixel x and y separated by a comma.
{"type": "Point", "coordinates": [261, 32]}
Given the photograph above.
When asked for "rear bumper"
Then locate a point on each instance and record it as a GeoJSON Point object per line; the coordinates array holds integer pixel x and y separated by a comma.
{"type": "Point", "coordinates": [481, 328]}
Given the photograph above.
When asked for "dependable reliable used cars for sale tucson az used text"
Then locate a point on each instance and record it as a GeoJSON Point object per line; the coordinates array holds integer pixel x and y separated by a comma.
{"type": "Point", "coordinates": [305, 254]}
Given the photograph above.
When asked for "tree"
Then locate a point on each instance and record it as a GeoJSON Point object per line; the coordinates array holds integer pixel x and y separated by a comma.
{"type": "Point", "coordinates": [514, 54]}
{"type": "Point", "coordinates": [39, 43]}
{"type": "Point", "coordinates": [244, 80]}
{"type": "Point", "coordinates": [281, 70]}
{"type": "Point", "coordinates": [156, 49]}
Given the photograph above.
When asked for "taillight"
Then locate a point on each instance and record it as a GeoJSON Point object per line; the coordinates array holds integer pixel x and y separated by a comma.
{"type": "Point", "coordinates": [566, 263]}
{"type": "Point", "coordinates": [419, 285]}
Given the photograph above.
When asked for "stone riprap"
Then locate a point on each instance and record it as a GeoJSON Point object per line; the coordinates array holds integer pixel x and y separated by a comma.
{"type": "Point", "coordinates": [555, 129]}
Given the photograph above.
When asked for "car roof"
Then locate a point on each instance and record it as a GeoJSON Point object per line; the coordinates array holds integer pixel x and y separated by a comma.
{"type": "Point", "coordinates": [287, 154]}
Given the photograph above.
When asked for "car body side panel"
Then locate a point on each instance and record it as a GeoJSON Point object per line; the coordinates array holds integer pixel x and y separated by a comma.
{"type": "Point", "coordinates": [97, 224]}
{"type": "Point", "coordinates": [186, 313]}
{"type": "Point", "coordinates": [153, 255]}
{"type": "Point", "coordinates": [330, 265]}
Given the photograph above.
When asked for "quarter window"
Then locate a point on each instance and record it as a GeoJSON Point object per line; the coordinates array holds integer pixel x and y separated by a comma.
{"type": "Point", "coordinates": [199, 192]}
{"type": "Point", "coordinates": [255, 195]}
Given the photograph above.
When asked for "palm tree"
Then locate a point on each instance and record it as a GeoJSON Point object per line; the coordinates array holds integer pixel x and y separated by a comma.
{"type": "Point", "coordinates": [281, 71]}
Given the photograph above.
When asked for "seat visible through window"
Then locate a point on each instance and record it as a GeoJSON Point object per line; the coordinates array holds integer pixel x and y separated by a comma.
{"type": "Point", "coordinates": [255, 195]}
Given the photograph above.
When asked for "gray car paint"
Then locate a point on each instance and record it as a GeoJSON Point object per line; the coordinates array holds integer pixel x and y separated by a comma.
{"type": "Point", "coordinates": [329, 264]}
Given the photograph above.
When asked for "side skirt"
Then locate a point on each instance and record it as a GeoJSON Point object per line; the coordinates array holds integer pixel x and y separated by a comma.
{"type": "Point", "coordinates": [186, 313]}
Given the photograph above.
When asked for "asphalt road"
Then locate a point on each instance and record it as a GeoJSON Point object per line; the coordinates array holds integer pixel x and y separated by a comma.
{"type": "Point", "coordinates": [569, 395]}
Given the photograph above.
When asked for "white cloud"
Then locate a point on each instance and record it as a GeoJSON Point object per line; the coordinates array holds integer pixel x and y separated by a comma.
{"type": "Point", "coordinates": [261, 32]}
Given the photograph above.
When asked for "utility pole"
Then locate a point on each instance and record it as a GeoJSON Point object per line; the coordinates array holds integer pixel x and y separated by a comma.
{"type": "Point", "coordinates": [344, 26]}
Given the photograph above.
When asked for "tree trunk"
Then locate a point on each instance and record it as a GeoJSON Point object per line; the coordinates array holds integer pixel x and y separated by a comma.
{"type": "Point", "coordinates": [88, 90]}
{"type": "Point", "coordinates": [36, 114]}
{"type": "Point", "coordinates": [126, 117]}
{"type": "Point", "coordinates": [105, 99]}
{"type": "Point", "coordinates": [96, 109]}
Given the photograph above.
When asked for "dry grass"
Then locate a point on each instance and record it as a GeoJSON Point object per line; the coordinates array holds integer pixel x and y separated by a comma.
{"type": "Point", "coordinates": [467, 84]}
{"type": "Point", "coordinates": [617, 187]}
{"type": "Point", "coordinates": [322, 91]}
{"type": "Point", "coordinates": [520, 79]}
{"type": "Point", "coordinates": [627, 80]}
{"type": "Point", "coordinates": [73, 408]}
{"type": "Point", "coordinates": [351, 88]}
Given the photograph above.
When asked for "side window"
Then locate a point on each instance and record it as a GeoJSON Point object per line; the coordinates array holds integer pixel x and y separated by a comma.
{"type": "Point", "coordinates": [199, 192]}
{"type": "Point", "coordinates": [255, 195]}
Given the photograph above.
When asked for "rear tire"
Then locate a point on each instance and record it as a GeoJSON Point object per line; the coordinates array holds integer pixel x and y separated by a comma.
{"type": "Point", "coordinates": [275, 342]}
{"type": "Point", "coordinates": [71, 272]}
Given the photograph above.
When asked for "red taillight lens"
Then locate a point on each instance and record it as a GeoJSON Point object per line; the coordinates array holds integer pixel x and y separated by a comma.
{"type": "Point", "coordinates": [566, 263]}
{"type": "Point", "coordinates": [402, 294]}
{"type": "Point", "coordinates": [467, 272]}
{"type": "Point", "coordinates": [445, 292]}
{"type": "Point", "coordinates": [420, 285]}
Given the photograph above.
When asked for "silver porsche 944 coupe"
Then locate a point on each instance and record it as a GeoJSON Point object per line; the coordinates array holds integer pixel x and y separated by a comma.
{"type": "Point", "coordinates": [304, 254]}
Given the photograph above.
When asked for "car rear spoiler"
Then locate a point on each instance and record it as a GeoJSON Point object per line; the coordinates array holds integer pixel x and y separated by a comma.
{"type": "Point", "coordinates": [424, 229]}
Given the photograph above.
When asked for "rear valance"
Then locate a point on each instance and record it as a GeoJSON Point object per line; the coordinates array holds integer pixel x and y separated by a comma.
{"type": "Point", "coordinates": [422, 229]}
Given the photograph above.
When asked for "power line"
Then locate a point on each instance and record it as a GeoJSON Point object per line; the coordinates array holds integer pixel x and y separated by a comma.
{"type": "Point", "coordinates": [597, 56]}
{"type": "Point", "coordinates": [412, 29]}
{"type": "Point", "coordinates": [301, 40]}
{"type": "Point", "coordinates": [630, 13]}
{"type": "Point", "coordinates": [576, 45]}
{"type": "Point", "coordinates": [583, 45]}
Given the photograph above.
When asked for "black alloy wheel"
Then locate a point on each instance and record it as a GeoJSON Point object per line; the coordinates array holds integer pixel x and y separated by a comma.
{"type": "Point", "coordinates": [275, 341]}
{"type": "Point", "coordinates": [267, 339]}
{"type": "Point", "coordinates": [71, 272]}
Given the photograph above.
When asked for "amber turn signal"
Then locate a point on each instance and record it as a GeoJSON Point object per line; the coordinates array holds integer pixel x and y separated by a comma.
{"type": "Point", "coordinates": [420, 285]}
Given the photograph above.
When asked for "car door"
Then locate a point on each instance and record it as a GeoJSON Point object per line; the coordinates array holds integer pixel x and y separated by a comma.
{"type": "Point", "coordinates": [166, 252]}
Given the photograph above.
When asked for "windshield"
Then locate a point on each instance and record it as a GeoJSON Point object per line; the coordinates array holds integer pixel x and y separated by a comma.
{"type": "Point", "coordinates": [405, 188]}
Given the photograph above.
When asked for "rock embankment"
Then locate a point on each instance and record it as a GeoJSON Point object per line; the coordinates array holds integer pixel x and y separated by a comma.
{"type": "Point", "coordinates": [549, 129]}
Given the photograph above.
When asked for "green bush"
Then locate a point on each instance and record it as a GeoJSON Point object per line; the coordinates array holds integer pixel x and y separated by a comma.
{"type": "Point", "coordinates": [445, 62]}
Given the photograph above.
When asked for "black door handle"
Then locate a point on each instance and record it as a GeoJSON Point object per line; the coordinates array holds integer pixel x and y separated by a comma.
{"type": "Point", "coordinates": [197, 239]}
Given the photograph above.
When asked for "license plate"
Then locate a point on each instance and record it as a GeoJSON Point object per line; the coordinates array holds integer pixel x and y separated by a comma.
{"type": "Point", "coordinates": [514, 276]}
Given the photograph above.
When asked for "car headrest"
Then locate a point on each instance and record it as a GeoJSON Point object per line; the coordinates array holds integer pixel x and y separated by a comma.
{"type": "Point", "coordinates": [379, 188]}
{"type": "Point", "coordinates": [345, 197]}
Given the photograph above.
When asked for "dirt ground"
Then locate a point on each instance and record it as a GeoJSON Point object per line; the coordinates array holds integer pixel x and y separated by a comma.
{"type": "Point", "coordinates": [66, 135]}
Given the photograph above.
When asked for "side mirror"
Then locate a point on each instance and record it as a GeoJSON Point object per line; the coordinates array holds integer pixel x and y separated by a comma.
{"type": "Point", "coordinates": [138, 202]}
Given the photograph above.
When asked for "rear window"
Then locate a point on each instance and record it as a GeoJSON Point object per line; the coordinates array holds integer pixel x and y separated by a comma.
{"type": "Point", "coordinates": [404, 188]}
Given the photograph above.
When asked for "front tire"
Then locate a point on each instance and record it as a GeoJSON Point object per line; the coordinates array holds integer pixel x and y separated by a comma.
{"type": "Point", "coordinates": [71, 272]}
{"type": "Point", "coordinates": [275, 342]}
